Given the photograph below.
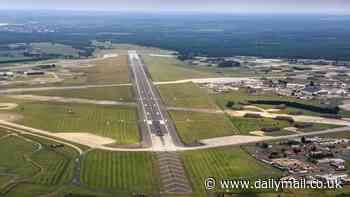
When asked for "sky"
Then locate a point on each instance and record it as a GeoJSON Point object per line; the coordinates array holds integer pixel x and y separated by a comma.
{"type": "Point", "coordinates": [226, 6]}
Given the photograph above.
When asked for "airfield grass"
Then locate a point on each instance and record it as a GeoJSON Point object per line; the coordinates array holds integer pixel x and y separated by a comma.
{"type": "Point", "coordinates": [57, 165]}
{"type": "Point", "coordinates": [30, 190]}
{"type": "Point", "coordinates": [119, 123]}
{"type": "Point", "coordinates": [118, 93]}
{"type": "Point", "coordinates": [4, 179]}
{"type": "Point", "coordinates": [171, 69]}
{"type": "Point", "coordinates": [55, 48]}
{"type": "Point", "coordinates": [245, 125]}
{"type": "Point", "coordinates": [33, 170]}
{"type": "Point", "coordinates": [319, 127]}
{"type": "Point", "coordinates": [194, 126]}
{"type": "Point", "coordinates": [109, 70]}
{"type": "Point", "coordinates": [220, 163]}
{"type": "Point", "coordinates": [114, 70]}
{"type": "Point", "coordinates": [120, 171]}
{"type": "Point", "coordinates": [187, 95]}
{"type": "Point", "coordinates": [12, 151]}
{"type": "Point", "coordinates": [243, 96]}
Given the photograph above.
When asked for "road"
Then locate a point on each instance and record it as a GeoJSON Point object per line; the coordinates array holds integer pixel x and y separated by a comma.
{"type": "Point", "coordinates": [20, 90]}
{"type": "Point", "coordinates": [155, 118]}
{"type": "Point", "coordinates": [64, 100]}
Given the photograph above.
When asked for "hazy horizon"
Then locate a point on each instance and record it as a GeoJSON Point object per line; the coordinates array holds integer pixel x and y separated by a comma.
{"type": "Point", "coordinates": [218, 6]}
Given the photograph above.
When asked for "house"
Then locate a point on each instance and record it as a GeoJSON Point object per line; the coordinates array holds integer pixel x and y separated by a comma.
{"type": "Point", "coordinates": [311, 90]}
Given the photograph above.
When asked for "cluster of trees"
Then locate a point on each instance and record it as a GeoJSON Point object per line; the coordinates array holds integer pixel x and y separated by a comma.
{"type": "Point", "coordinates": [318, 109]}
{"type": "Point", "coordinates": [228, 64]}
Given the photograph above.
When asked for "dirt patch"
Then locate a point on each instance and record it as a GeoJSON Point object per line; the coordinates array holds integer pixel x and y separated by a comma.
{"type": "Point", "coordinates": [114, 145]}
{"type": "Point", "coordinates": [7, 106]}
{"type": "Point", "coordinates": [254, 108]}
{"type": "Point", "coordinates": [10, 117]}
{"type": "Point", "coordinates": [85, 139]}
{"type": "Point", "coordinates": [232, 140]}
{"type": "Point", "coordinates": [257, 133]}
{"type": "Point", "coordinates": [273, 110]}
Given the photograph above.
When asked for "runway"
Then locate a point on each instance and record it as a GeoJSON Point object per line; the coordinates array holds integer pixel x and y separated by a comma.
{"type": "Point", "coordinates": [155, 118]}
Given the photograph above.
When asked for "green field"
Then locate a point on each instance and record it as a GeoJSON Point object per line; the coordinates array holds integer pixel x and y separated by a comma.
{"type": "Point", "coordinates": [110, 70]}
{"type": "Point", "coordinates": [31, 160]}
{"type": "Point", "coordinates": [171, 69]}
{"type": "Point", "coordinates": [12, 151]}
{"type": "Point", "coordinates": [194, 126]}
{"type": "Point", "coordinates": [246, 125]}
{"type": "Point", "coordinates": [188, 95]}
{"type": "Point", "coordinates": [113, 70]}
{"type": "Point", "coordinates": [120, 171]}
{"type": "Point", "coordinates": [119, 123]}
{"type": "Point", "coordinates": [55, 48]}
{"type": "Point", "coordinates": [30, 190]}
{"type": "Point", "coordinates": [118, 93]}
{"type": "Point", "coordinates": [229, 163]}
{"type": "Point", "coordinates": [242, 96]}
{"type": "Point", "coordinates": [319, 127]}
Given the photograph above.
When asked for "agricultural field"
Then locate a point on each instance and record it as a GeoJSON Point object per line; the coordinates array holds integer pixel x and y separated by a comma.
{"type": "Point", "coordinates": [229, 163]}
{"type": "Point", "coordinates": [171, 69]}
{"type": "Point", "coordinates": [33, 166]}
{"type": "Point", "coordinates": [117, 93]}
{"type": "Point", "coordinates": [187, 95]}
{"type": "Point", "coordinates": [194, 126]}
{"type": "Point", "coordinates": [120, 171]}
{"type": "Point", "coordinates": [55, 48]}
{"type": "Point", "coordinates": [119, 123]}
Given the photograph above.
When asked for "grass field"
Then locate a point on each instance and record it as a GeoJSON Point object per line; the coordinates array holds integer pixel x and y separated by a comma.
{"type": "Point", "coordinates": [114, 70]}
{"type": "Point", "coordinates": [194, 126]}
{"type": "Point", "coordinates": [119, 123]}
{"type": "Point", "coordinates": [120, 171]}
{"type": "Point", "coordinates": [319, 127]}
{"type": "Point", "coordinates": [110, 70]}
{"type": "Point", "coordinates": [188, 95]}
{"type": "Point", "coordinates": [121, 93]}
{"type": "Point", "coordinates": [246, 125]}
{"type": "Point", "coordinates": [12, 151]}
{"type": "Point", "coordinates": [170, 69]}
{"type": "Point", "coordinates": [242, 95]}
{"type": "Point", "coordinates": [55, 48]}
{"type": "Point", "coordinates": [31, 159]}
{"type": "Point", "coordinates": [229, 163]}
{"type": "Point", "coordinates": [30, 190]}
{"type": "Point", "coordinates": [57, 165]}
